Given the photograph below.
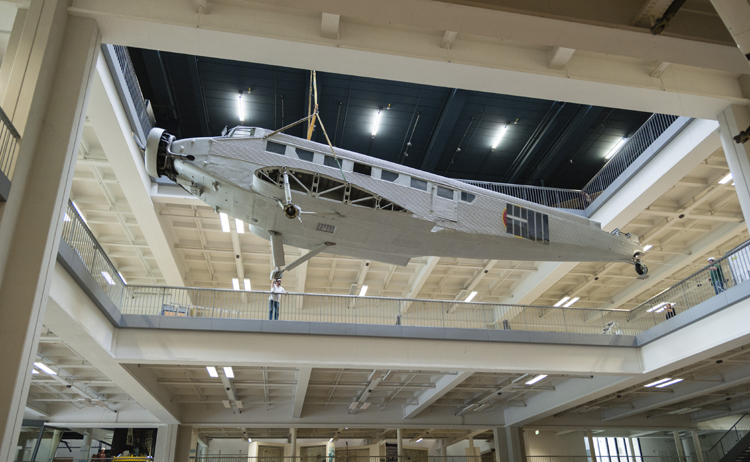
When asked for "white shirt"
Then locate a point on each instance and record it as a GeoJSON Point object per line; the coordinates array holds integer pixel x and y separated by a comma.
{"type": "Point", "coordinates": [275, 291]}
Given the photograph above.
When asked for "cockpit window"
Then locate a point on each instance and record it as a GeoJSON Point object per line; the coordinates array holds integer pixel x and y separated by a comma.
{"type": "Point", "coordinates": [388, 176]}
{"type": "Point", "coordinates": [362, 168]}
{"type": "Point", "coordinates": [419, 184]}
{"type": "Point", "coordinates": [275, 148]}
{"type": "Point", "coordinates": [467, 197]}
{"type": "Point", "coordinates": [242, 132]}
{"type": "Point", "coordinates": [305, 155]}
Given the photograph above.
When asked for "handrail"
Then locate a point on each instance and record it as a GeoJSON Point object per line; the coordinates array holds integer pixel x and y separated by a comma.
{"type": "Point", "coordinates": [9, 139]}
{"type": "Point", "coordinates": [727, 432]}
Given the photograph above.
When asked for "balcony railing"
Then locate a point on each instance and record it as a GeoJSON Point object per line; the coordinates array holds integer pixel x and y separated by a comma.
{"type": "Point", "coordinates": [580, 199]}
{"type": "Point", "coordinates": [729, 439]}
{"type": "Point", "coordinates": [9, 140]}
{"type": "Point", "coordinates": [340, 456]}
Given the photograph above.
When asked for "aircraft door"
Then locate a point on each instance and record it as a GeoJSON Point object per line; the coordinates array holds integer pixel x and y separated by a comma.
{"type": "Point", "coordinates": [445, 203]}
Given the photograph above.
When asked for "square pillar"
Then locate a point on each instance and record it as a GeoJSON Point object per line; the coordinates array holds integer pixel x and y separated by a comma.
{"type": "Point", "coordinates": [184, 444]}
{"type": "Point", "coordinates": [45, 97]}
{"type": "Point", "coordinates": [501, 445]}
{"type": "Point", "coordinates": [516, 445]}
{"type": "Point", "coordinates": [166, 443]}
{"type": "Point", "coordinates": [678, 444]}
{"type": "Point", "coordinates": [697, 444]}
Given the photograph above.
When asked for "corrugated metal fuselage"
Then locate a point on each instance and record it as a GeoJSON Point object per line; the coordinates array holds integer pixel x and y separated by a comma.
{"type": "Point", "coordinates": [381, 211]}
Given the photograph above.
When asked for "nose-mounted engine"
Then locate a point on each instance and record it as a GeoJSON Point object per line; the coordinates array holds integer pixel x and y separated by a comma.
{"type": "Point", "coordinates": [159, 157]}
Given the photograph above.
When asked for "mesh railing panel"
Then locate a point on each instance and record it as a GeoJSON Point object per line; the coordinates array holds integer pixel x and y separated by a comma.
{"type": "Point", "coordinates": [133, 87]}
{"type": "Point", "coordinates": [9, 139]}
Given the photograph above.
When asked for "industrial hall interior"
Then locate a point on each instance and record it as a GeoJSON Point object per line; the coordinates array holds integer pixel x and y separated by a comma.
{"type": "Point", "coordinates": [375, 230]}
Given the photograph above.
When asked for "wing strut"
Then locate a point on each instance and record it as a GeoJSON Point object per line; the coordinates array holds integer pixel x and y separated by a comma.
{"type": "Point", "coordinates": [277, 252]}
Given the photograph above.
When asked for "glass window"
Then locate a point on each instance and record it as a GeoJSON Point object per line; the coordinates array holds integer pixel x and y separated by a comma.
{"type": "Point", "coordinates": [388, 176]}
{"type": "Point", "coordinates": [275, 148]}
{"type": "Point", "coordinates": [331, 161]}
{"type": "Point", "coordinates": [305, 155]}
{"type": "Point", "coordinates": [419, 184]}
{"type": "Point", "coordinates": [362, 168]}
{"type": "Point", "coordinates": [466, 197]}
{"type": "Point", "coordinates": [445, 192]}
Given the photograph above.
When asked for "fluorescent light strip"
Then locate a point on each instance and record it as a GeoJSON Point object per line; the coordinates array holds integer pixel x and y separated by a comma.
{"type": "Point", "coordinates": [246, 283]}
{"type": "Point", "coordinates": [109, 279]}
{"type": "Point", "coordinates": [726, 179]}
{"type": "Point", "coordinates": [224, 222]}
{"type": "Point", "coordinates": [657, 382]}
{"type": "Point", "coordinates": [536, 379]}
{"type": "Point", "coordinates": [240, 112]}
{"type": "Point", "coordinates": [365, 405]}
{"type": "Point", "coordinates": [616, 149]}
{"type": "Point", "coordinates": [45, 368]}
{"type": "Point", "coordinates": [75, 206]}
{"type": "Point", "coordinates": [123, 278]}
{"type": "Point", "coordinates": [34, 372]}
{"type": "Point", "coordinates": [471, 296]}
{"type": "Point", "coordinates": [671, 382]}
{"type": "Point", "coordinates": [235, 284]}
{"type": "Point", "coordinates": [331, 440]}
{"type": "Point", "coordinates": [420, 439]}
{"type": "Point", "coordinates": [229, 372]}
{"type": "Point", "coordinates": [212, 371]}
{"type": "Point", "coordinates": [363, 291]}
{"type": "Point", "coordinates": [646, 248]}
{"type": "Point", "coordinates": [249, 440]}
{"type": "Point", "coordinates": [239, 225]}
{"type": "Point", "coordinates": [572, 300]}
{"type": "Point", "coordinates": [354, 405]}
{"type": "Point", "coordinates": [376, 125]}
{"type": "Point", "coordinates": [562, 300]}
{"type": "Point", "coordinates": [499, 136]}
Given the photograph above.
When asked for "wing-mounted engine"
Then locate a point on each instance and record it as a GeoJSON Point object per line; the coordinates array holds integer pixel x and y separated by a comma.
{"type": "Point", "coordinates": [159, 158]}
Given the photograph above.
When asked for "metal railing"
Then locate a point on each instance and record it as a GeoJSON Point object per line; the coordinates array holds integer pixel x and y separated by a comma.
{"type": "Point", "coordinates": [579, 199]}
{"type": "Point", "coordinates": [9, 138]}
{"type": "Point", "coordinates": [610, 458]}
{"type": "Point", "coordinates": [723, 274]}
{"type": "Point", "coordinates": [729, 439]}
{"type": "Point", "coordinates": [635, 146]}
{"type": "Point", "coordinates": [340, 456]}
{"type": "Point", "coordinates": [126, 81]}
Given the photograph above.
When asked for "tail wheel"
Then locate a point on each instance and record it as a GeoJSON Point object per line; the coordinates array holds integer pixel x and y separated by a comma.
{"type": "Point", "coordinates": [641, 269]}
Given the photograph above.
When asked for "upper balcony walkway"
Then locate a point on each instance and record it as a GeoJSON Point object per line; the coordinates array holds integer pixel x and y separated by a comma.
{"type": "Point", "coordinates": [219, 309]}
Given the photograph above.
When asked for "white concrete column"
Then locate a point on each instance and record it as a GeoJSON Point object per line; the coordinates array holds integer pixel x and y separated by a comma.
{"type": "Point", "coordinates": [516, 449]}
{"type": "Point", "coordinates": [697, 444]}
{"type": "Point", "coordinates": [46, 98]}
{"type": "Point", "coordinates": [733, 120]}
{"type": "Point", "coordinates": [85, 450]}
{"type": "Point", "coordinates": [632, 449]}
{"type": "Point", "coordinates": [166, 443]}
{"type": "Point", "coordinates": [592, 448]}
{"type": "Point", "coordinates": [501, 446]}
{"type": "Point", "coordinates": [472, 452]}
{"type": "Point", "coordinates": [184, 444]}
{"type": "Point", "coordinates": [399, 444]}
{"type": "Point", "coordinates": [678, 444]}
{"type": "Point", "coordinates": [293, 439]}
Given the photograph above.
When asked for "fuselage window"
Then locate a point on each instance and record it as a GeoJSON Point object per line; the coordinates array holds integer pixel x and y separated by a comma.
{"type": "Point", "coordinates": [330, 161]}
{"type": "Point", "coordinates": [305, 155]}
{"type": "Point", "coordinates": [467, 197]}
{"type": "Point", "coordinates": [445, 192]}
{"type": "Point", "coordinates": [419, 184]}
{"type": "Point", "coordinates": [388, 176]}
{"type": "Point", "coordinates": [275, 148]}
{"type": "Point", "coordinates": [363, 169]}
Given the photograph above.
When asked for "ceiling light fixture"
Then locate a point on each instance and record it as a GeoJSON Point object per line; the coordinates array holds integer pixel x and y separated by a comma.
{"type": "Point", "coordinates": [572, 300]}
{"type": "Point", "coordinates": [726, 179]}
{"type": "Point", "coordinates": [239, 108]}
{"type": "Point", "coordinates": [108, 278]}
{"type": "Point", "coordinates": [657, 382]}
{"type": "Point", "coordinates": [562, 300]}
{"type": "Point", "coordinates": [616, 149]}
{"type": "Point", "coordinates": [536, 379]}
{"type": "Point", "coordinates": [75, 206]}
{"type": "Point", "coordinates": [235, 284]}
{"type": "Point", "coordinates": [646, 248]}
{"type": "Point", "coordinates": [249, 440]}
{"type": "Point", "coordinates": [240, 225]}
{"type": "Point", "coordinates": [365, 405]}
{"type": "Point", "coordinates": [471, 296]}
{"type": "Point", "coordinates": [420, 439]}
{"type": "Point", "coordinates": [499, 136]}
{"type": "Point", "coordinates": [224, 222]}
{"type": "Point", "coordinates": [331, 440]}
{"type": "Point", "coordinates": [376, 124]}
{"type": "Point", "coordinates": [246, 283]}
{"type": "Point", "coordinates": [671, 382]}
{"type": "Point", "coordinates": [34, 372]}
{"type": "Point", "coordinates": [45, 368]}
{"type": "Point", "coordinates": [212, 371]}
{"type": "Point", "coordinates": [123, 278]}
{"type": "Point", "coordinates": [363, 291]}
{"type": "Point", "coordinates": [354, 405]}
{"type": "Point", "coordinates": [229, 372]}
{"type": "Point", "coordinates": [66, 217]}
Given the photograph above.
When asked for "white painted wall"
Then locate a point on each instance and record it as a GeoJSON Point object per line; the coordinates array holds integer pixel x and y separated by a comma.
{"type": "Point", "coordinates": [228, 446]}
{"type": "Point", "coordinates": [546, 443]}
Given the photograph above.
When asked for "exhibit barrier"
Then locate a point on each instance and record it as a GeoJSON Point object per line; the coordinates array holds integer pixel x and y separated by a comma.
{"type": "Point", "coordinates": [577, 199]}
{"type": "Point", "coordinates": [9, 138]}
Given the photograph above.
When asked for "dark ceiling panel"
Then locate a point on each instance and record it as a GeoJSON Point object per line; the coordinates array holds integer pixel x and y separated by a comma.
{"type": "Point", "coordinates": [194, 95]}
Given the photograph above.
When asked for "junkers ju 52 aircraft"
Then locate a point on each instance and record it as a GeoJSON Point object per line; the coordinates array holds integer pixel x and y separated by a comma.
{"type": "Point", "coordinates": [294, 191]}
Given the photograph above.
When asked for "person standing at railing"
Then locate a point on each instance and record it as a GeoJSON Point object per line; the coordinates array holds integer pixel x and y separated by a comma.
{"type": "Point", "coordinates": [671, 313]}
{"type": "Point", "coordinates": [717, 275]}
{"type": "Point", "coordinates": [273, 299]}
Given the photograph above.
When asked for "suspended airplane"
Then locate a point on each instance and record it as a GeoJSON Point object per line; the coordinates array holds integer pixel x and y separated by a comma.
{"type": "Point", "coordinates": [301, 193]}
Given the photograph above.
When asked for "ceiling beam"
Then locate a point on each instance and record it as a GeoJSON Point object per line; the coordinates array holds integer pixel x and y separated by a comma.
{"type": "Point", "coordinates": [449, 38]}
{"type": "Point", "coordinates": [300, 391]}
{"type": "Point", "coordinates": [443, 128]}
{"type": "Point", "coordinates": [442, 386]}
{"type": "Point", "coordinates": [419, 279]}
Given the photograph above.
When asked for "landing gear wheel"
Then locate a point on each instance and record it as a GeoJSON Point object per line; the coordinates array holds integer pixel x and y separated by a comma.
{"type": "Point", "coordinates": [291, 211]}
{"type": "Point", "coordinates": [641, 269]}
